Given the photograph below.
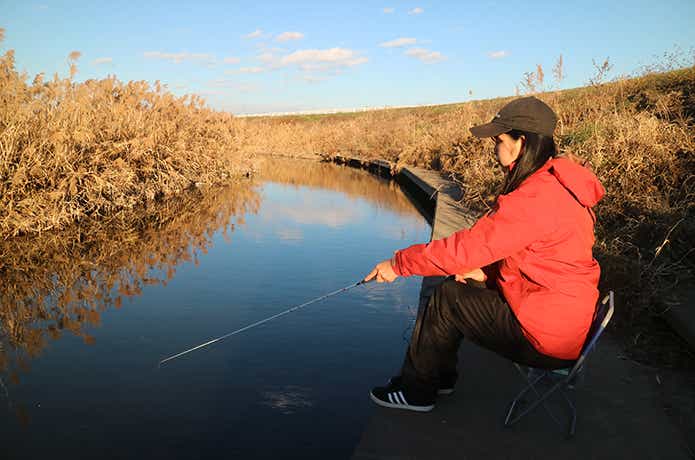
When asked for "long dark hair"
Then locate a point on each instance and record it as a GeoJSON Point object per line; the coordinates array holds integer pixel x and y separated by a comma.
{"type": "Point", "coordinates": [537, 149]}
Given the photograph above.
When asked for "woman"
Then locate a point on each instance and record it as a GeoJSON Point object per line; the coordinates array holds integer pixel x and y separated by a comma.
{"type": "Point", "coordinates": [526, 281]}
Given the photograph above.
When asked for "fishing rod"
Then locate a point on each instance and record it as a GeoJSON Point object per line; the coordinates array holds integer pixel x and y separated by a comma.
{"type": "Point", "coordinates": [258, 323]}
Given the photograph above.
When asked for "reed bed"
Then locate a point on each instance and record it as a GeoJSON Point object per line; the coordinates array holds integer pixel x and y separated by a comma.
{"type": "Point", "coordinates": [73, 150]}
{"type": "Point", "coordinates": [637, 133]}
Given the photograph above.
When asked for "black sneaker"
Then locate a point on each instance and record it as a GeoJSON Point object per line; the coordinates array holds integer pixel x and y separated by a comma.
{"type": "Point", "coordinates": [446, 386]}
{"type": "Point", "coordinates": [397, 397]}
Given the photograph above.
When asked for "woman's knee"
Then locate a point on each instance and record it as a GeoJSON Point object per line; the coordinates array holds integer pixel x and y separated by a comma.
{"type": "Point", "coordinates": [465, 301]}
{"type": "Point", "coordinates": [449, 294]}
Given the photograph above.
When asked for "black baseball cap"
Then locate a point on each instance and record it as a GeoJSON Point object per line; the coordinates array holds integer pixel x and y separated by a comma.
{"type": "Point", "coordinates": [525, 114]}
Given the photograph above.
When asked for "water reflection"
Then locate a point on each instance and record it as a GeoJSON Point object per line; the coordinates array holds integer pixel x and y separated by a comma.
{"type": "Point", "coordinates": [60, 282]}
{"type": "Point", "coordinates": [354, 183]}
{"type": "Point", "coordinates": [288, 399]}
{"type": "Point", "coordinates": [253, 396]}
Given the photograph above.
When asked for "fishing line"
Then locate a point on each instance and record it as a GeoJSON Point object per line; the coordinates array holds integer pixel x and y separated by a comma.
{"type": "Point", "coordinates": [258, 323]}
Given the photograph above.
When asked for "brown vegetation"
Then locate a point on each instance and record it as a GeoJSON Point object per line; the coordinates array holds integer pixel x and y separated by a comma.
{"type": "Point", "coordinates": [72, 150]}
{"type": "Point", "coordinates": [637, 133]}
{"type": "Point", "coordinates": [61, 281]}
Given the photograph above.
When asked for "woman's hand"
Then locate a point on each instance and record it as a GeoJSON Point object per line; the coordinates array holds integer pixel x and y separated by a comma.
{"type": "Point", "coordinates": [383, 272]}
{"type": "Point", "coordinates": [477, 275]}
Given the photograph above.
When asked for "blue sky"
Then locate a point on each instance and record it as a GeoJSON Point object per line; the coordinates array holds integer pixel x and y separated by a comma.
{"type": "Point", "coordinates": [267, 56]}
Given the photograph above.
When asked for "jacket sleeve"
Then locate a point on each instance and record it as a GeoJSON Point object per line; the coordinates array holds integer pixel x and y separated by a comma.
{"type": "Point", "coordinates": [520, 218]}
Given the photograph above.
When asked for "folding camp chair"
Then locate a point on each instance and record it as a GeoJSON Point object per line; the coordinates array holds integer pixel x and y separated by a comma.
{"type": "Point", "coordinates": [561, 380]}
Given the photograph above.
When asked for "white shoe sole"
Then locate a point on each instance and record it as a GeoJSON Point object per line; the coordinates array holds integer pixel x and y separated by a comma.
{"type": "Point", "coordinates": [400, 406]}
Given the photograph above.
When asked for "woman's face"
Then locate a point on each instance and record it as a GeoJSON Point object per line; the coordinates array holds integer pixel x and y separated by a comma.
{"type": "Point", "coordinates": [507, 148]}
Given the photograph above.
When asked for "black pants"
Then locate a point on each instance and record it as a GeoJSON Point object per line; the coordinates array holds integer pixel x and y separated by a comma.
{"type": "Point", "coordinates": [471, 310]}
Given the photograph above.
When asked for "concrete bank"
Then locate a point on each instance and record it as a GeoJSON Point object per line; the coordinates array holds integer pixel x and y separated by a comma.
{"type": "Point", "coordinates": [618, 405]}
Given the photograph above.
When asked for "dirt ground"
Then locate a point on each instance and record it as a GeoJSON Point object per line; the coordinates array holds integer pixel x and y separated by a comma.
{"type": "Point", "coordinates": [654, 347]}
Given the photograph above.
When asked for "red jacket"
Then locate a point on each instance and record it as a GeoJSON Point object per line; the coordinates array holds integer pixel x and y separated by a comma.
{"type": "Point", "coordinates": [540, 236]}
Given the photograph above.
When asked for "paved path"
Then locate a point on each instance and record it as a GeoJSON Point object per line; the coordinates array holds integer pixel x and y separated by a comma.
{"type": "Point", "coordinates": [618, 417]}
{"type": "Point", "coordinates": [618, 410]}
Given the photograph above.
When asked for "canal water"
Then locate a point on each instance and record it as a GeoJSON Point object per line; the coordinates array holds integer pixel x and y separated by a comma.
{"type": "Point", "coordinates": [86, 315]}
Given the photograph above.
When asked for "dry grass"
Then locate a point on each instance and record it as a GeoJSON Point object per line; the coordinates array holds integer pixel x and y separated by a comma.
{"type": "Point", "coordinates": [73, 150]}
{"type": "Point", "coordinates": [638, 133]}
{"type": "Point", "coordinates": [87, 151]}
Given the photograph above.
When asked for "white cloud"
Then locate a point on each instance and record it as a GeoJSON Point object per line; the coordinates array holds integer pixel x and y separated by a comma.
{"type": "Point", "coordinates": [290, 234]}
{"type": "Point", "coordinates": [232, 85]}
{"type": "Point", "coordinates": [317, 214]}
{"type": "Point", "coordinates": [287, 36]}
{"type": "Point", "coordinates": [178, 58]}
{"type": "Point", "coordinates": [232, 60]}
{"type": "Point", "coordinates": [425, 55]}
{"type": "Point", "coordinates": [403, 41]}
{"type": "Point", "coordinates": [498, 54]}
{"type": "Point", "coordinates": [389, 10]}
{"type": "Point", "coordinates": [255, 34]}
{"type": "Point", "coordinates": [265, 57]}
{"type": "Point", "coordinates": [102, 60]}
{"type": "Point", "coordinates": [327, 59]}
{"type": "Point", "coordinates": [417, 10]}
{"type": "Point", "coordinates": [270, 59]}
{"type": "Point", "coordinates": [251, 70]}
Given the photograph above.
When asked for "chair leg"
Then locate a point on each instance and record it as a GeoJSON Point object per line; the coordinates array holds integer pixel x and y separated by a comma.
{"type": "Point", "coordinates": [509, 413]}
{"type": "Point", "coordinates": [540, 400]}
{"type": "Point", "coordinates": [573, 414]}
{"type": "Point", "coordinates": [530, 386]}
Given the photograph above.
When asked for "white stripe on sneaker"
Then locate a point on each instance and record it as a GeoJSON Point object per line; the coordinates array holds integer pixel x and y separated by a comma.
{"type": "Point", "coordinates": [400, 393]}
{"type": "Point", "coordinates": [396, 400]}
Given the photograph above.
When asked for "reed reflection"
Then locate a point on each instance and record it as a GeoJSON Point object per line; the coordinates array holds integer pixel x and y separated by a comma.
{"type": "Point", "coordinates": [354, 183]}
{"type": "Point", "coordinates": [61, 282]}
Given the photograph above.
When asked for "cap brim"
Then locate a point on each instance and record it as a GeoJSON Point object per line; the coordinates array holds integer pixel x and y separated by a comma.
{"type": "Point", "coordinates": [491, 129]}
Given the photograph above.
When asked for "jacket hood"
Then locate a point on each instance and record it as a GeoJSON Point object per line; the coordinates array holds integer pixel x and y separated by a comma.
{"type": "Point", "coordinates": [580, 181]}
